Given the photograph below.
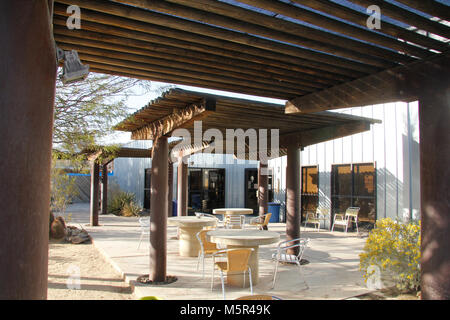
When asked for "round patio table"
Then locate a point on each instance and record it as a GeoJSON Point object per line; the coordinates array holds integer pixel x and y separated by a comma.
{"type": "Point", "coordinates": [242, 238]}
{"type": "Point", "coordinates": [189, 226]}
{"type": "Point", "coordinates": [232, 211]}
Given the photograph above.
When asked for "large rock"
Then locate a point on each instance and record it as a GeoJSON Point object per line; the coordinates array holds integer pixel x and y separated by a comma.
{"type": "Point", "coordinates": [58, 228]}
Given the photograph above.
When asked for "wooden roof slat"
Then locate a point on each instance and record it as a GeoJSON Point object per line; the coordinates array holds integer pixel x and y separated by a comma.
{"type": "Point", "coordinates": [170, 21]}
{"type": "Point", "coordinates": [406, 16]}
{"type": "Point", "coordinates": [184, 80]}
{"type": "Point", "coordinates": [183, 39]}
{"type": "Point", "coordinates": [86, 38]}
{"type": "Point", "coordinates": [307, 37]}
{"type": "Point", "coordinates": [359, 18]}
{"type": "Point", "coordinates": [312, 18]}
{"type": "Point", "coordinates": [430, 7]}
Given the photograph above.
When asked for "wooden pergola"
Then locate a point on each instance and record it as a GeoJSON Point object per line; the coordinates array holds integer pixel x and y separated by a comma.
{"type": "Point", "coordinates": [180, 109]}
{"type": "Point", "coordinates": [315, 54]}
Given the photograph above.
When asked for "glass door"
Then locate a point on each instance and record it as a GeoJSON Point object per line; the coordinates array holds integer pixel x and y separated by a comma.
{"type": "Point", "coordinates": [309, 190]}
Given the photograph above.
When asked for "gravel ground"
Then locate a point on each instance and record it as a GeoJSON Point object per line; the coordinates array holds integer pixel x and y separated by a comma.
{"type": "Point", "coordinates": [79, 272]}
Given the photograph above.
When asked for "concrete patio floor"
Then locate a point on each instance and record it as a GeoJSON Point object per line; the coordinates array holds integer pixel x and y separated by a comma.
{"type": "Point", "coordinates": [332, 271]}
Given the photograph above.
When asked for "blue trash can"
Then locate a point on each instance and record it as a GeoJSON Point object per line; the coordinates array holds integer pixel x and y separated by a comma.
{"type": "Point", "coordinates": [274, 209]}
{"type": "Point", "coordinates": [174, 209]}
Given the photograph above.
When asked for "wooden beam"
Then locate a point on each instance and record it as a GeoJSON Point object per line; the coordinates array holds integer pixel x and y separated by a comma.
{"type": "Point", "coordinates": [403, 83]}
{"type": "Point", "coordinates": [311, 17]}
{"type": "Point", "coordinates": [241, 39]}
{"type": "Point", "coordinates": [406, 16]}
{"type": "Point", "coordinates": [168, 55]}
{"type": "Point", "coordinates": [177, 68]}
{"type": "Point", "coordinates": [167, 124]}
{"type": "Point", "coordinates": [129, 28]}
{"type": "Point", "coordinates": [304, 36]}
{"type": "Point", "coordinates": [431, 7]}
{"type": "Point", "coordinates": [314, 136]}
{"type": "Point", "coordinates": [351, 15]}
{"type": "Point", "coordinates": [186, 80]}
{"type": "Point", "coordinates": [94, 201]}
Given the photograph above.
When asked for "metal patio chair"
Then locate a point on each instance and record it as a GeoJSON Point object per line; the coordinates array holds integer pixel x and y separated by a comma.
{"type": "Point", "coordinates": [144, 222]}
{"type": "Point", "coordinates": [282, 256]}
{"type": "Point", "coordinates": [237, 262]}
{"type": "Point", "coordinates": [351, 215]}
{"type": "Point", "coordinates": [207, 248]}
{"type": "Point", "coordinates": [321, 214]}
{"type": "Point", "coordinates": [260, 222]}
{"type": "Point", "coordinates": [233, 221]}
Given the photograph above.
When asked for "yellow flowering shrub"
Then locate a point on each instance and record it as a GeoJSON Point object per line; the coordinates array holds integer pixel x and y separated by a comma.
{"type": "Point", "coordinates": [393, 248]}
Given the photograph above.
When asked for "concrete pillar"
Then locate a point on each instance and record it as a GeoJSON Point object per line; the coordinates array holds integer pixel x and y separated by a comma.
{"type": "Point", "coordinates": [293, 194]}
{"type": "Point", "coordinates": [434, 119]}
{"type": "Point", "coordinates": [27, 93]}
{"type": "Point", "coordinates": [158, 209]}
{"type": "Point", "coordinates": [105, 189]}
{"type": "Point", "coordinates": [263, 191]}
{"type": "Point", "coordinates": [182, 188]}
{"type": "Point", "coordinates": [94, 201]}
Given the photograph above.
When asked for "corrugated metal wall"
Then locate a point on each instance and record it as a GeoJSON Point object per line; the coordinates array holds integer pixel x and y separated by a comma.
{"type": "Point", "coordinates": [129, 173]}
{"type": "Point", "coordinates": [393, 146]}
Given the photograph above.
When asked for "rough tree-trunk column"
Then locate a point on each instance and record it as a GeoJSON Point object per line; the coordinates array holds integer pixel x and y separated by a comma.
{"type": "Point", "coordinates": [27, 93]}
{"type": "Point", "coordinates": [182, 187]}
{"type": "Point", "coordinates": [94, 204]}
{"type": "Point", "coordinates": [158, 209]}
{"type": "Point", "coordinates": [434, 119]}
{"type": "Point", "coordinates": [292, 194]}
{"type": "Point", "coordinates": [105, 189]}
{"type": "Point", "coordinates": [263, 192]}
{"type": "Point", "coordinates": [170, 189]}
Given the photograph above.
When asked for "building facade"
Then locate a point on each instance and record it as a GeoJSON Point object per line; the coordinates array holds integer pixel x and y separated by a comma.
{"type": "Point", "coordinates": [377, 170]}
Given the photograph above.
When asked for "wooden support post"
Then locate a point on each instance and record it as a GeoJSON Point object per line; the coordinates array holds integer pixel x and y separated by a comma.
{"type": "Point", "coordinates": [170, 189]}
{"type": "Point", "coordinates": [94, 203]}
{"type": "Point", "coordinates": [182, 187]}
{"type": "Point", "coordinates": [105, 189]}
{"type": "Point", "coordinates": [27, 93]}
{"type": "Point", "coordinates": [263, 191]}
{"type": "Point", "coordinates": [434, 119]}
{"type": "Point", "coordinates": [292, 194]}
{"type": "Point", "coordinates": [158, 208]}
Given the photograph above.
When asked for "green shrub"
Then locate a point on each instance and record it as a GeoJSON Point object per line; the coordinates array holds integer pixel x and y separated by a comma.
{"type": "Point", "coordinates": [118, 201]}
{"type": "Point", "coordinates": [124, 204]}
{"type": "Point", "coordinates": [393, 248]}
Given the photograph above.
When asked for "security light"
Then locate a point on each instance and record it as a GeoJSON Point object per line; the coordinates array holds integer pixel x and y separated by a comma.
{"type": "Point", "coordinates": [73, 69]}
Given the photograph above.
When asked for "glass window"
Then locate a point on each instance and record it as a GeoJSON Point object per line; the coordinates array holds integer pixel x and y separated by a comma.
{"type": "Point", "coordinates": [354, 186]}
{"type": "Point", "coordinates": [309, 190]}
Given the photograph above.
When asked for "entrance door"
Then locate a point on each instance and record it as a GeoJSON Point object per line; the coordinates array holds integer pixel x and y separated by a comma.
{"type": "Point", "coordinates": [309, 190]}
{"type": "Point", "coordinates": [206, 189]}
{"type": "Point", "coordinates": [251, 186]}
{"type": "Point", "coordinates": [354, 186]}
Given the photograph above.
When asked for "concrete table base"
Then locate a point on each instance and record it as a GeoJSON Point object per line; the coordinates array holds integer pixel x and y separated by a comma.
{"type": "Point", "coordinates": [189, 227]}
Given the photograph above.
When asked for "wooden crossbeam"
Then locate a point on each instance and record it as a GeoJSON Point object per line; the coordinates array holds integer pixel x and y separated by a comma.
{"type": "Point", "coordinates": [309, 137]}
{"type": "Point", "coordinates": [180, 117]}
{"type": "Point", "coordinates": [404, 83]}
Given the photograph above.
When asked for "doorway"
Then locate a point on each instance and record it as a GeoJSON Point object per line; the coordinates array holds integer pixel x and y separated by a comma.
{"type": "Point", "coordinates": [251, 188]}
{"type": "Point", "coordinates": [206, 189]}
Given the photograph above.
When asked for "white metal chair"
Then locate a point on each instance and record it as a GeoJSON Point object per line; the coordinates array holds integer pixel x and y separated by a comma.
{"type": "Point", "coordinates": [282, 256]}
{"type": "Point", "coordinates": [233, 221]}
{"type": "Point", "coordinates": [206, 248]}
{"type": "Point", "coordinates": [144, 222]}
{"type": "Point", "coordinates": [260, 222]}
{"type": "Point", "coordinates": [321, 214]}
{"type": "Point", "coordinates": [237, 262]}
{"type": "Point", "coordinates": [345, 219]}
